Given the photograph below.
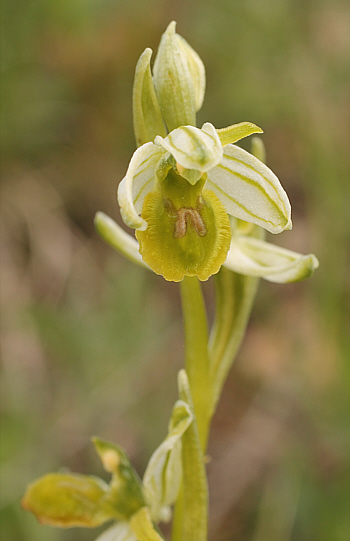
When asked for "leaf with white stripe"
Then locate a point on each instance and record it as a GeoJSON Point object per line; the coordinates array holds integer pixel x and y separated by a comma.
{"type": "Point", "coordinates": [137, 183]}
{"type": "Point", "coordinates": [250, 191]}
{"type": "Point", "coordinates": [258, 258]}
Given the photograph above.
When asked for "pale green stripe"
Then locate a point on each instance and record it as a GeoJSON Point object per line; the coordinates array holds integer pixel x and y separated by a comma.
{"type": "Point", "coordinates": [142, 163]}
{"type": "Point", "coordinates": [238, 204]}
{"type": "Point", "coordinates": [198, 147]}
{"type": "Point", "coordinates": [232, 158]}
{"type": "Point", "coordinates": [143, 187]}
{"type": "Point", "coordinates": [256, 185]}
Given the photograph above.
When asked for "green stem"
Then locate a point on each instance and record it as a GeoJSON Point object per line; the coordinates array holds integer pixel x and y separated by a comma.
{"type": "Point", "coordinates": [197, 368]}
{"type": "Point", "coordinates": [197, 359]}
{"type": "Point", "coordinates": [191, 512]}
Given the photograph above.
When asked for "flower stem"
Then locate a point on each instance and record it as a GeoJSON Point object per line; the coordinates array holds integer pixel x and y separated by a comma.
{"type": "Point", "coordinates": [197, 359]}
{"type": "Point", "coordinates": [190, 500]}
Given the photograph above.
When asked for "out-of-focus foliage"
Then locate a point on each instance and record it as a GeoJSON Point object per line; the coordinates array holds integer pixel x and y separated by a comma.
{"type": "Point", "coordinates": [92, 345]}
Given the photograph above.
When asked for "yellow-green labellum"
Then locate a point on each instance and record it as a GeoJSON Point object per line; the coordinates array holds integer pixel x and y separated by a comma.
{"type": "Point", "coordinates": [188, 232]}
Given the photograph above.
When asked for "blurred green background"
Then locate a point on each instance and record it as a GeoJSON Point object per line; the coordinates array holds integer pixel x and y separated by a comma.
{"type": "Point", "coordinates": [91, 344]}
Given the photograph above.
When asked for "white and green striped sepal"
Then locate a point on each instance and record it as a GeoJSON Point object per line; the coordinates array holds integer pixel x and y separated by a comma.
{"type": "Point", "coordinates": [255, 257]}
{"type": "Point", "coordinates": [249, 190]}
{"type": "Point", "coordinates": [138, 182]}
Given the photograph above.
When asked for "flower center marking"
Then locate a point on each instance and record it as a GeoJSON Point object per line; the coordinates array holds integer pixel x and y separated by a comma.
{"type": "Point", "coordinates": [186, 216]}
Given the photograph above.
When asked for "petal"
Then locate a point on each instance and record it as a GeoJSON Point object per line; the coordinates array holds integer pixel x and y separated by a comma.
{"type": "Point", "coordinates": [250, 190]}
{"type": "Point", "coordinates": [188, 241]}
{"type": "Point", "coordinates": [116, 237]}
{"type": "Point", "coordinates": [148, 121]}
{"type": "Point", "coordinates": [234, 133]}
{"type": "Point", "coordinates": [137, 183]}
{"type": "Point", "coordinates": [193, 148]}
{"type": "Point", "coordinates": [118, 532]}
{"type": "Point", "coordinates": [255, 257]}
{"type": "Point", "coordinates": [163, 475]}
{"type": "Point", "coordinates": [197, 70]}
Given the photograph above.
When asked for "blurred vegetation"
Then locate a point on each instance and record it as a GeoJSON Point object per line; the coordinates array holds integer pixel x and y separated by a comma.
{"type": "Point", "coordinates": [90, 344]}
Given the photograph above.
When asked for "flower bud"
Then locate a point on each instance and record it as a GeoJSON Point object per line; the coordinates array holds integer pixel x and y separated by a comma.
{"type": "Point", "coordinates": [125, 494]}
{"type": "Point", "coordinates": [148, 121]}
{"type": "Point", "coordinates": [179, 80]}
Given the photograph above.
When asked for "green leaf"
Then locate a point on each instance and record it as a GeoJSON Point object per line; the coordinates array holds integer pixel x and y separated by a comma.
{"type": "Point", "coordinates": [234, 133]}
{"type": "Point", "coordinates": [148, 121]}
{"type": "Point", "coordinates": [126, 494]}
{"type": "Point", "coordinates": [68, 500]}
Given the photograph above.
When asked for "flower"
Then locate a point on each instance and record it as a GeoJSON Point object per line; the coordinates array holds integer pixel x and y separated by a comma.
{"type": "Point", "coordinates": [184, 183]}
{"type": "Point", "coordinates": [178, 192]}
{"type": "Point", "coordinates": [247, 254]}
{"type": "Point", "coordinates": [70, 499]}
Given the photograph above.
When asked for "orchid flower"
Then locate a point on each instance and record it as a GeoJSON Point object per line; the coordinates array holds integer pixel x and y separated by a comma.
{"type": "Point", "coordinates": [183, 183]}
{"type": "Point", "coordinates": [69, 499]}
{"type": "Point", "coordinates": [179, 191]}
{"type": "Point", "coordinates": [247, 255]}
